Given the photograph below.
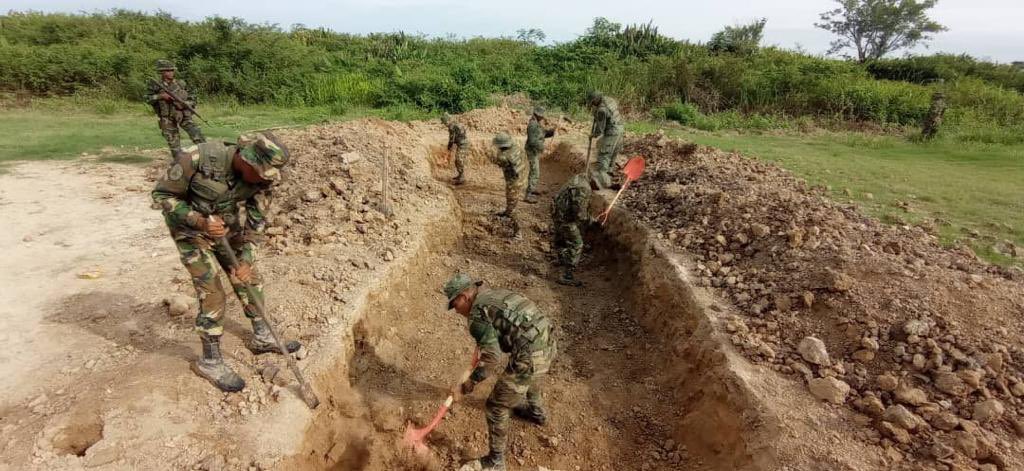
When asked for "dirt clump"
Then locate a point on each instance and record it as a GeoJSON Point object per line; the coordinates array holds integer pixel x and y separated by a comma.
{"type": "Point", "coordinates": [926, 339]}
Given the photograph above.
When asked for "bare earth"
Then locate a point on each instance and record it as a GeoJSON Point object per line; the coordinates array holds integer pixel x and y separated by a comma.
{"type": "Point", "coordinates": [664, 363]}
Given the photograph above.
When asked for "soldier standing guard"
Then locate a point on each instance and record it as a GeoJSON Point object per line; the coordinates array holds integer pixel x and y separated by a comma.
{"type": "Point", "coordinates": [933, 121]}
{"type": "Point", "coordinates": [503, 321]}
{"type": "Point", "coordinates": [459, 142]}
{"type": "Point", "coordinates": [607, 129]}
{"type": "Point", "coordinates": [509, 157]}
{"type": "Point", "coordinates": [570, 211]}
{"type": "Point", "coordinates": [200, 197]}
{"type": "Point", "coordinates": [168, 99]}
{"type": "Point", "coordinates": [535, 135]}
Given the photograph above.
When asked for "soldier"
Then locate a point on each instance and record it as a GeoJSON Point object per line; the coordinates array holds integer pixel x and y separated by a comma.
{"type": "Point", "coordinates": [503, 321]}
{"type": "Point", "coordinates": [509, 157]}
{"type": "Point", "coordinates": [569, 211]}
{"type": "Point", "coordinates": [933, 120]}
{"type": "Point", "coordinates": [535, 135]}
{"type": "Point", "coordinates": [458, 141]}
{"type": "Point", "coordinates": [173, 113]}
{"type": "Point", "coordinates": [608, 130]}
{"type": "Point", "coordinates": [200, 195]}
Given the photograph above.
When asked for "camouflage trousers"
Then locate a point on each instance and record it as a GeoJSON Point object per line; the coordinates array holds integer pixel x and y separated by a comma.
{"type": "Point", "coordinates": [533, 155]}
{"type": "Point", "coordinates": [514, 188]}
{"type": "Point", "coordinates": [169, 128]}
{"type": "Point", "coordinates": [608, 147]}
{"type": "Point", "coordinates": [568, 243]}
{"type": "Point", "coordinates": [205, 263]}
{"type": "Point", "coordinates": [460, 160]}
{"type": "Point", "coordinates": [519, 384]}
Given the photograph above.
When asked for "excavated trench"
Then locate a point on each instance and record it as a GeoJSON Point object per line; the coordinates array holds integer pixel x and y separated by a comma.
{"type": "Point", "coordinates": [642, 381]}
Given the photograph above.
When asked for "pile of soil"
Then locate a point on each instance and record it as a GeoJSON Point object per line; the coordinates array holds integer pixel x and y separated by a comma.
{"type": "Point", "coordinates": [925, 341]}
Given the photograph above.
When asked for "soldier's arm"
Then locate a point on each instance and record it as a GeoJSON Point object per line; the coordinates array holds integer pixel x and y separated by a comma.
{"type": "Point", "coordinates": [490, 352]}
{"type": "Point", "coordinates": [152, 93]}
{"type": "Point", "coordinates": [189, 97]}
{"type": "Point", "coordinates": [533, 132]}
{"type": "Point", "coordinates": [600, 119]}
{"type": "Point", "coordinates": [171, 193]}
{"type": "Point", "coordinates": [451, 138]}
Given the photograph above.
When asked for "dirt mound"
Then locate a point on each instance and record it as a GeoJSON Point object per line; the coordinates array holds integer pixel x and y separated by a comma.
{"type": "Point", "coordinates": [925, 341]}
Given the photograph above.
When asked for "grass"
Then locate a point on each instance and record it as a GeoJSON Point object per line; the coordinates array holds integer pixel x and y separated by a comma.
{"type": "Point", "coordinates": [68, 127]}
{"type": "Point", "coordinates": [969, 186]}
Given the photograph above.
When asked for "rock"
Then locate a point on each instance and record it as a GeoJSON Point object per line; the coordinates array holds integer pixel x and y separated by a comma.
{"type": "Point", "coordinates": [871, 405]}
{"type": "Point", "coordinates": [902, 417]}
{"type": "Point", "coordinates": [971, 377]}
{"type": "Point", "coordinates": [213, 462]}
{"type": "Point", "coordinates": [389, 256]}
{"type": "Point", "coordinates": [1018, 426]}
{"type": "Point", "coordinates": [919, 361]}
{"type": "Point", "coordinates": [966, 443]}
{"type": "Point", "coordinates": [887, 382]}
{"type": "Point", "coordinates": [829, 389]}
{"type": "Point", "coordinates": [916, 327]}
{"type": "Point", "coordinates": [90, 275]}
{"type": "Point", "coordinates": [671, 191]}
{"type": "Point", "coordinates": [350, 158]}
{"type": "Point", "coordinates": [312, 196]}
{"type": "Point", "coordinates": [988, 410]}
{"type": "Point", "coordinates": [897, 434]}
{"type": "Point", "coordinates": [759, 230]}
{"type": "Point", "coordinates": [950, 383]}
{"type": "Point", "coordinates": [301, 353]}
{"type": "Point", "coordinates": [178, 304]}
{"type": "Point", "coordinates": [339, 185]}
{"type": "Point", "coordinates": [941, 451]}
{"type": "Point", "coordinates": [869, 343]}
{"type": "Point", "coordinates": [864, 355]}
{"type": "Point", "coordinates": [1017, 389]}
{"type": "Point", "coordinates": [945, 421]}
{"type": "Point", "coordinates": [808, 299]}
{"type": "Point", "coordinates": [550, 441]}
{"type": "Point", "coordinates": [813, 350]}
{"type": "Point", "coordinates": [911, 396]}
{"type": "Point", "coordinates": [273, 375]}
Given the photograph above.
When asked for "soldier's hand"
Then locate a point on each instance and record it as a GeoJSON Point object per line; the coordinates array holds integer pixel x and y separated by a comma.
{"type": "Point", "coordinates": [467, 387]}
{"type": "Point", "coordinates": [166, 96]}
{"type": "Point", "coordinates": [243, 272]}
{"type": "Point", "coordinates": [215, 227]}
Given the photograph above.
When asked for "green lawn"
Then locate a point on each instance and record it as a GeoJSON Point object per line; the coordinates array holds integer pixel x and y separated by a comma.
{"type": "Point", "coordinates": [976, 187]}
{"type": "Point", "coordinates": [65, 128]}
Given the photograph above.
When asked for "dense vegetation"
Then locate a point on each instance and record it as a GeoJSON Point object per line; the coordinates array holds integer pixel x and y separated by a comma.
{"type": "Point", "coordinates": [112, 55]}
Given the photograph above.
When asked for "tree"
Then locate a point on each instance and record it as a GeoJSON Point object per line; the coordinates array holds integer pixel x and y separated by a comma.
{"type": "Point", "coordinates": [875, 28]}
{"type": "Point", "coordinates": [740, 39]}
{"type": "Point", "coordinates": [532, 35]}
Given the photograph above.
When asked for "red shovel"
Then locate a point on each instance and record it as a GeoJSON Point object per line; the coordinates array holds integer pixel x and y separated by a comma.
{"type": "Point", "coordinates": [633, 169]}
{"type": "Point", "coordinates": [414, 438]}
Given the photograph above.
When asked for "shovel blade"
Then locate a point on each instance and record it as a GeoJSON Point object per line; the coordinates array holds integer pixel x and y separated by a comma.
{"type": "Point", "coordinates": [634, 168]}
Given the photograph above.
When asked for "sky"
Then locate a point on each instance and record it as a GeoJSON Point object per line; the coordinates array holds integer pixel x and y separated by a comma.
{"type": "Point", "coordinates": [988, 29]}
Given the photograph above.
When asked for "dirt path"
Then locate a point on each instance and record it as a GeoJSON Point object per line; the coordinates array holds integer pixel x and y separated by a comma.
{"type": "Point", "coordinates": [606, 396]}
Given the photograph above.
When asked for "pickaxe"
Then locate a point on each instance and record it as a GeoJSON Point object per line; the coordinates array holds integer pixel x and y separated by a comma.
{"type": "Point", "coordinates": [414, 437]}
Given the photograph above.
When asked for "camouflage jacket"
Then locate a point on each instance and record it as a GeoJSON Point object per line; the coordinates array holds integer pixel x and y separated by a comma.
{"type": "Point", "coordinates": [166, 109]}
{"type": "Point", "coordinates": [457, 135]}
{"type": "Point", "coordinates": [572, 203]}
{"type": "Point", "coordinates": [607, 121]}
{"type": "Point", "coordinates": [503, 321]}
{"type": "Point", "coordinates": [535, 135]}
{"type": "Point", "coordinates": [201, 183]}
{"type": "Point", "coordinates": [511, 161]}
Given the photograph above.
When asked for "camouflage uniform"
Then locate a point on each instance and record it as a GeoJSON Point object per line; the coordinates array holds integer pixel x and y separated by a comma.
{"type": "Point", "coordinates": [458, 140]}
{"type": "Point", "coordinates": [200, 183]}
{"type": "Point", "coordinates": [509, 158]}
{"type": "Point", "coordinates": [933, 120]}
{"type": "Point", "coordinates": [535, 135]}
{"type": "Point", "coordinates": [173, 115]}
{"type": "Point", "coordinates": [608, 130]}
{"type": "Point", "coordinates": [503, 321]}
{"type": "Point", "coordinates": [569, 211]}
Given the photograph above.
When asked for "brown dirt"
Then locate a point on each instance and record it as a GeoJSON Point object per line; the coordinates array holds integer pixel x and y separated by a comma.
{"type": "Point", "coordinates": [647, 378]}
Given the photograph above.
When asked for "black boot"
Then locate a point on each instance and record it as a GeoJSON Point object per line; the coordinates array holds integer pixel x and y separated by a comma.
{"type": "Point", "coordinates": [531, 414]}
{"type": "Point", "coordinates": [212, 367]}
{"type": "Point", "coordinates": [568, 279]}
{"type": "Point", "coordinates": [491, 462]}
{"type": "Point", "coordinates": [263, 341]}
{"type": "Point", "coordinates": [458, 180]}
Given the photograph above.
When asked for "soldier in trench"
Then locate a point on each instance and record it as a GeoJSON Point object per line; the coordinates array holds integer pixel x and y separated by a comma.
{"type": "Point", "coordinates": [503, 321]}
{"type": "Point", "coordinates": [570, 213]}
{"type": "Point", "coordinates": [458, 142]}
{"type": "Point", "coordinates": [509, 157]}
{"type": "Point", "coordinates": [535, 136]}
{"type": "Point", "coordinates": [607, 129]}
{"type": "Point", "coordinates": [200, 196]}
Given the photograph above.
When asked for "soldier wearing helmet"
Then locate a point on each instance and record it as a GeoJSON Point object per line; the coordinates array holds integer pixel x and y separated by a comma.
{"type": "Point", "coordinates": [200, 195]}
{"type": "Point", "coordinates": [607, 129]}
{"type": "Point", "coordinates": [535, 135]}
{"type": "Point", "coordinates": [171, 112]}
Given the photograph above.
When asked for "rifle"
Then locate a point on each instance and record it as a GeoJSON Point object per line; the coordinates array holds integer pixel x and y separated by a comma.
{"type": "Point", "coordinates": [179, 100]}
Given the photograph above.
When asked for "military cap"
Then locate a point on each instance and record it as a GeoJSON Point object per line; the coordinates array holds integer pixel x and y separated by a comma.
{"type": "Point", "coordinates": [265, 154]}
{"type": "Point", "coordinates": [538, 111]}
{"type": "Point", "coordinates": [457, 284]}
{"type": "Point", "coordinates": [593, 96]}
{"type": "Point", "coordinates": [502, 141]}
{"type": "Point", "coordinates": [446, 118]}
{"type": "Point", "coordinates": [164, 64]}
